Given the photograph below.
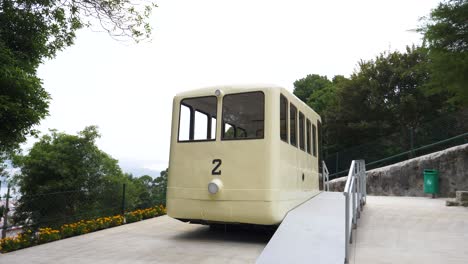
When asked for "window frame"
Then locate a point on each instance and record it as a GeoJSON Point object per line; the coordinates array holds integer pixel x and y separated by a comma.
{"type": "Point", "coordinates": [301, 131]}
{"type": "Point", "coordinates": [192, 113]}
{"type": "Point", "coordinates": [314, 140]}
{"type": "Point", "coordinates": [292, 106]}
{"type": "Point", "coordinates": [286, 119]}
{"type": "Point", "coordinates": [308, 136]}
{"type": "Point", "coordinates": [222, 118]}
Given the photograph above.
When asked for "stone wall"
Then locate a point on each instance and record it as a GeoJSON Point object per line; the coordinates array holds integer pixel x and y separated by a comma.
{"type": "Point", "coordinates": [406, 178]}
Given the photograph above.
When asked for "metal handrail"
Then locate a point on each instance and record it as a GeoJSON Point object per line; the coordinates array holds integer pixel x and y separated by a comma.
{"type": "Point", "coordinates": [325, 177]}
{"type": "Point", "coordinates": [355, 192]}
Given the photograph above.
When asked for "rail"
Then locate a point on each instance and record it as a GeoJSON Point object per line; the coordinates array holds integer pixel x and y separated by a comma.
{"type": "Point", "coordinates": [325, 177]}
{"type": "Point", "coordinates": [355, 198]}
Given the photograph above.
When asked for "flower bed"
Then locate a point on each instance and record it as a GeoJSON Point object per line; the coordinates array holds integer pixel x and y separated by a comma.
{"type": "Point", "coordinates": [45, 235]}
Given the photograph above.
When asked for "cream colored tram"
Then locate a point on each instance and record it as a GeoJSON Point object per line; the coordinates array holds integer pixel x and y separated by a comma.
{"type": "Point", "coordinates": [241, 154]}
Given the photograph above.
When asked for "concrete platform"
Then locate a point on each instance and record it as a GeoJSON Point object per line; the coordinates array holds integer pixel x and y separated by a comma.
{"type": "Point", "coordinates": [311, 233]}
{"type": "Point", "coordinates": [157, 240]}
{"type": "Point", "coordinates": [408, 230]}
{"type": "Point", "coordinates": [391, 230]}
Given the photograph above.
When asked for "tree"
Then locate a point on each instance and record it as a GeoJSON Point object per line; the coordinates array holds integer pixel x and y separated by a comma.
{"type": "Point", "coordinates": [396, 92]}
{"type": "Point", "coordinates": [74, 170]}
{"type": "Point", "coordinates": [144, 186]}
{"type": "Point", "coordinates": [387, 91]}
{"type": "Point", "coordinates": [385, 95]}
{"type": "Point", "coordinates": [35, 29]}
{"type": "Point", "coordinates": [305, 87]}
{"type": "Point", "coordinates": [23, 100]}
{"type": "Point", "coordinates": [446, 34]}
{"type": "Point", "coordinates": [160, 188]}
{"type": "Point", "coordinates": [32, 30]}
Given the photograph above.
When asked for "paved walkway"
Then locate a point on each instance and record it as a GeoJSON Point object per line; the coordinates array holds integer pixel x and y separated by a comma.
{"type": "Point", "coordinates": [411, 230]}
{"type": "Point", "coordinates": [157, 240]}
{"type": "Point", "coordinates": [391, 230]}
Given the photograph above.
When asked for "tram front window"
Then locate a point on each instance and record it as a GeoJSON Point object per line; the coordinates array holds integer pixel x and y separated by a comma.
{"type": "Point", "coordinates": [197, 120]}
{"type": "Point", "coordinates": [243, 116]}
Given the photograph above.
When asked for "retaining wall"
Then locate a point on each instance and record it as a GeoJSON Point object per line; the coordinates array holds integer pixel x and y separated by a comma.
{"type": "Point", "coordinates": [406, 178]}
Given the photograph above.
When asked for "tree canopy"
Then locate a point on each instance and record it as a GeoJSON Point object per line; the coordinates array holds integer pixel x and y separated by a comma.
{"type": "Point", "coordinates": [396, 92]}
{"type": "Point", "coordinates": [32, 30]}
{"type": "Point", "coordinates": [23, 100]}
{"type": "Point", "coordinates": [67, 177]}
{"type": "Point", "coordinates": [446, 35]}
{"type": "Point", "coordinates": [384, 95]}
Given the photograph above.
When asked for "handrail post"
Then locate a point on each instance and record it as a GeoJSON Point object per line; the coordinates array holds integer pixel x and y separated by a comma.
{"type": "Point", "coordinates": [346, 227]}
{"type": "Point", "coordinates": [323, 176]}
{"type": "Point", "coordinates": [359, 188]}
{"type": "Point", "coordinates": [364, 188]}
{"type": "Point", "coordinates": [354, 193]}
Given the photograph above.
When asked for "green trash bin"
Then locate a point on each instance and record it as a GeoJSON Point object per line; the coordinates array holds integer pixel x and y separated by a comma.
{"type": "Point", "coordinates": [431, 182]}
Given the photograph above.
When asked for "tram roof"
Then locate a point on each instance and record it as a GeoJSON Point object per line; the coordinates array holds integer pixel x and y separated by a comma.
{"type": "Point", "coordinates": [227, 89]}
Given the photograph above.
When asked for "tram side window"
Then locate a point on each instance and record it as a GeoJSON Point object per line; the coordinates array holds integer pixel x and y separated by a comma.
{"type": "Point", "coordinates": [283, 118]}
{"type": "Point", "coordinates": [308, 137]}
{"type": "Point", "coordinates": [293, 122]}
{"type": "Point", "coordinates": [301, 131]}
{"type": "Point", "coordinates": [314, 140]}
{"type": "Point", "coordinates": [243, 116]}
{"type": "Point", "coordinates": [197, 120]}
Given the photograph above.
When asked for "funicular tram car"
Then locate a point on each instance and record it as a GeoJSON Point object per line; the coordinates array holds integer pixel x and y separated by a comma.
{"type": "Point", "coordinates": [241, 154]}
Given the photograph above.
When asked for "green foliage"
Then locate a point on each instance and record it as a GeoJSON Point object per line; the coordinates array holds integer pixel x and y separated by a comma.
{"type": "Point", "coordinates": [446, 27]}
{"type": "Point", "coordinates": [384, 95]}
{"type": "Point", "coordinates": [65, 178]}
{"type": "Point", "coordinates": [446, 34]}
{"type": "Point", "coordinates": [23, 101]}
{"type": "Point", "coordinates": [396, 92]}
{"type": "Point", "coordinates": [159, 190]}
{"type": "Point", "coordinates": [35, 29]}
{"type": "Point", "coordinates": [61, 163]}
{"type": "Point", "coordinates": [311, 84]}
{"type": "Point", "coordinates": [44, 235]}
{"type": "Point", "coordinates": [32, 30]}
{"type": "Point", "coordinates": [145, 191]}
{"type": "Point", "coordinates": [23, 240]}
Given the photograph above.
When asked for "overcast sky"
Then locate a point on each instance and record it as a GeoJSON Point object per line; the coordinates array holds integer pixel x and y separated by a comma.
{"type": "Point", "coordinates": [126, 89]}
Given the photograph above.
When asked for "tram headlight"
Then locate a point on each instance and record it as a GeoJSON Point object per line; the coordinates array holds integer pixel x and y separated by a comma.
{"type": "Point", "coordinates": [218, 92]}
{"type": "Point", "coordinates": [214, 186]}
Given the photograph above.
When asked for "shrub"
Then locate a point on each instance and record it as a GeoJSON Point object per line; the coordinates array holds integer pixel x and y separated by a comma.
{"type": "Point", "coordinates": [133, 216]}
{"type": "Point", "coordinates": [18, 242]}
{"type": "Point", "coordinates": [67, 230]}
{"type": "Point", "coordinates": [45, 235]}
{"type": "Point", "coordinates": [161, 210]}
{"type": "Point", "coordinates": [149, 213]}
{"type": "Point", "coordinates": [116, 220]}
